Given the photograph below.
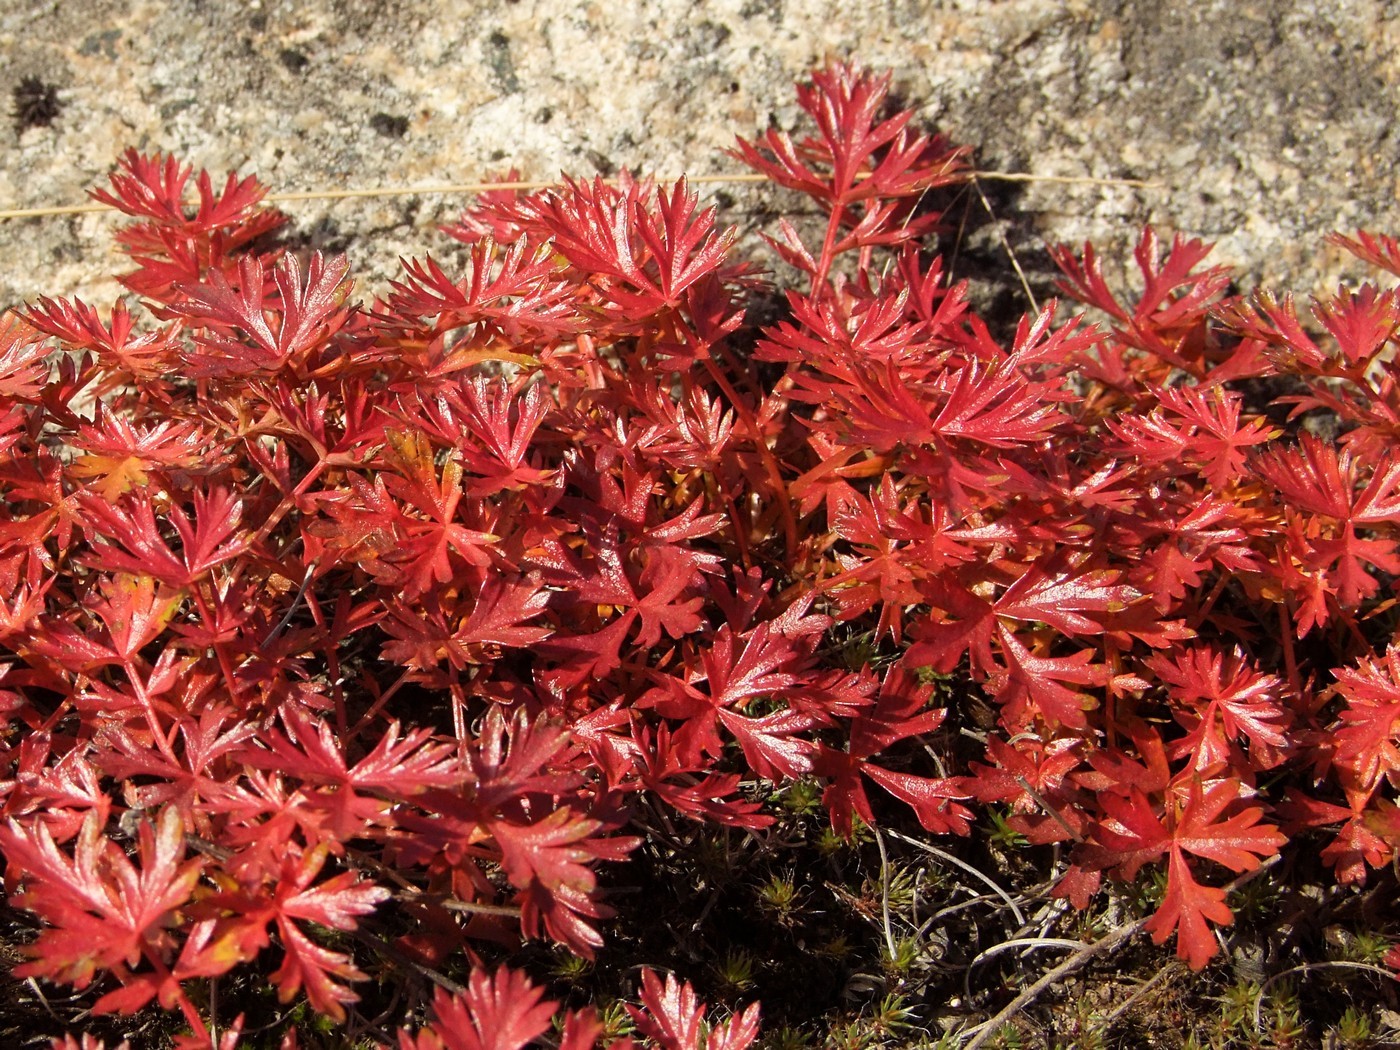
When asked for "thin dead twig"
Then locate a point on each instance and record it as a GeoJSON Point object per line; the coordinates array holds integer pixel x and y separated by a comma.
{"type": "Point", "coordinates": [1029, 943]}
{"type": "Point", "coordinates": [1142, 989]}
{"type": "Point", "coordinates": [885, 876]}
{"type": "Point", "coordinates": [988, 1028]}
{"type": "Point", "coordinates": [1005, 244]}
{"type": "Point", "coordinates": [1104, 945]}
{"type": "Point", "coordinates": [980, 875]}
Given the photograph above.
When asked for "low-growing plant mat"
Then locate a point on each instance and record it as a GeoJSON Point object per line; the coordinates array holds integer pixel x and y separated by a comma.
{"type": "Point", "coordinates": [603, 639]}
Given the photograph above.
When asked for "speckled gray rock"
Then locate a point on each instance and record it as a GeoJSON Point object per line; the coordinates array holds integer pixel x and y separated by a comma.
{"type": "Point", "coordinates": [1267, 123]}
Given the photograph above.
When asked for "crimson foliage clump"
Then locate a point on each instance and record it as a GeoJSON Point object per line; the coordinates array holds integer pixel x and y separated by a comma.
{"type": "Point", "coordinates": [314, 611]}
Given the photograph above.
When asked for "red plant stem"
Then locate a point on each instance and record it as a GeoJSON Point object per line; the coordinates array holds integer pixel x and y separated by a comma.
{"type": "Point", "coordinates": [1211, 599]}
{"type": "Point", "coordinates": [770, 461]}
{"type": "Point", "coordinates": [157, 733]}
{"type": "Point", "coordinates": [378, 704]}
{"type": "Point", "coordinates": [459, 718]}
{"type": "Point", "coordinates": [828, 255]}
{"type": "Point", "coordinates": [289, 500]}
{"type": "Point", "coordinates": [329, 651]}
{"type": "Point", "coordinates": [1290, 659]}
{"type": "Point", "coordinates": [187, 1008]}
{"type": "Point", "coordinates": [220, 652]}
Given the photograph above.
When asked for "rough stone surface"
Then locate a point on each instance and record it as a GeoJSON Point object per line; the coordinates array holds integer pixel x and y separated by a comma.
{"type": "Point", "coordinates": [1266, 123]}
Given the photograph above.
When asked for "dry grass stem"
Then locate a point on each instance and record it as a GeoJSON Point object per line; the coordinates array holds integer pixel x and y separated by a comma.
{"type": "Point", "coordinates": [458, 188]}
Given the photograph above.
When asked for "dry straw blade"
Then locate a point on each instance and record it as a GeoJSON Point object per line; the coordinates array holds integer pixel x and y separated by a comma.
{"type": "Point", "coordinates": [457, 188]}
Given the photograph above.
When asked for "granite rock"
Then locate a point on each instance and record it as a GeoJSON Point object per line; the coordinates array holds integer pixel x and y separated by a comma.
{"type": "Point", "coordinates": [1264, 124]}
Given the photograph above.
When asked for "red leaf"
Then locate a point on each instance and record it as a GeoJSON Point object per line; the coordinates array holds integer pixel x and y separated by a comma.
{"type": "Point", "coordinates": [24, 367]}
{"type": "Point", "coordinates": [206, 544]}
{"type": "Point", "coordinates": [154, 187]}
{"type": "Point", "coordinates": [671, 1013]}
{"type": "Point", "coordinates": [104, 912]}
{"type": "Point", "coordinates": [500, 1011]}
{"type": "Point", "coordinates": [643, 256]}
{"type": "Point", "coordinates": [1174, 301]}
{"type": "Point", "coordinates": [1058, 595]}
{"type": "Point", "coordinates": [856, 155]}
{"type": "Point", "coordinates": [352, 797]}
{"type": "Point", "coordinates": [1221, 700]}
{"type": "Point", "coordinates": [145, 357]}
{"type": "Point", "coordinates": [121, 456]}
{"type": "Point", "coordinates": [1362, 322]}
{"type": "Point", "coordinates": [1188, 908]}
{"type": "Point", "coordinates": [306, 315]}
{"type": "Point", "coordinates": [503, 297]}
{"type": "Point", "coordinates": [1356, 849]}
{"type": "Point", "coordinates": [336, 903]}
{"type": "Point", "coordinates": [671, 1016]}
{"type": "Point", "coordinates": [930, 798]}
{"type": "Point", "coordinates": [699, 793]}
{"type": "Point", "coordinates": [1033, 685]}
{"type": "Point", "coordinates": [548, 862]}
{"type": "Point", "coordinates": [1215, 438]}
{"type": "Point", "coordinates": [1134, 834]}
{"type": "Point", "coordinates": [771, 744]}
{"type": "Point", "coordinates": [1368, 742]}
{"type": "Point", "coordinates": [317, 969]}
{"type": "Point", "coordinates": [1374, 248]}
